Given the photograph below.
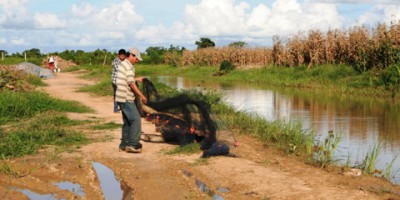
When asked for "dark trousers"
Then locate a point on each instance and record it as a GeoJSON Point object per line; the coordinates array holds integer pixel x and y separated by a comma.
{"type": "Point", "coordinates": [132, 127]}
{"type": "Point", "coordinates": [115, 103]}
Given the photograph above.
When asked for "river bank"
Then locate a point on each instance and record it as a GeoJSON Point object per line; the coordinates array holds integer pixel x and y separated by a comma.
{"type": "Point", "coordinates": [332, 79]}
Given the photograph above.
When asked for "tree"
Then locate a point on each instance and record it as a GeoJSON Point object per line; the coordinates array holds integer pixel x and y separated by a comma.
{"type": "Point", "coordinates": [5, 53]}
{"type": "Point", "coordinates": [154, 55]}
{"type": "Point", "coordinates": [33, 53]}
{"type": "Point", "coordinates": [204, 43]}
{"type": "Point", "coordinates": [238, 44]}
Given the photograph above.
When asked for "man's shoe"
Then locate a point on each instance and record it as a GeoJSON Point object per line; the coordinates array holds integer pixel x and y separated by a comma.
{"type": "Point", "coordinates": [122, 148]}
{"type": "Point", "coordinates": [131, 149]}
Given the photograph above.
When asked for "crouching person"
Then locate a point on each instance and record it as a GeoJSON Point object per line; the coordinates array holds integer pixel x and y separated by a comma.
{"type": "Point", "coordinates": [125, 96]}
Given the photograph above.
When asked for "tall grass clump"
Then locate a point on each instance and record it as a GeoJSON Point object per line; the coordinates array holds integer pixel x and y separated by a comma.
{"type": "Point", "coordinates": [18, 105]}
{"type": "Point", "coordinates": [11, 79]}
{"type": "Point", "coordinates": [46, 129]}
{"type": "Point", "coordinates": [370, 160]}
{"type": "Point", "coordinates": [388, 171]}
{"type": "Point", "coordinates": [324, 152]}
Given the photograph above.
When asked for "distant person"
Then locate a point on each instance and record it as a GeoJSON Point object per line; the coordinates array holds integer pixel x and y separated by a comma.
{"type": "Point", "coordinates": [56, 68]}
{"type": "Point", "coordinates": [115, 63]}
{"type": "Point", "coordinates": [125, 96]}
{"type": "Point", "coordinates": [50, 60]}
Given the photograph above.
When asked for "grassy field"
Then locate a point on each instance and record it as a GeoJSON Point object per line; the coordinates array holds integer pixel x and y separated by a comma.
{"type": "Point", "coordinates": [30, 119]}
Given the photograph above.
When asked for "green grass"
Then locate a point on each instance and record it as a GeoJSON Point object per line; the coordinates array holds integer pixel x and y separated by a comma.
{"type": "Point", "coordinates": [34, 80]}
{"type": "Point", "coordinates": [26, 137]}
{"type": "Point", "coordinates": [18, 105]}
{"type": "Point", "coordinates": [388, 171]}
{"type": "Point", "coordinates": [102, 88]}
{"type": "Point", "coordinates": [324, 153]}
{"type": "Point", "coordinates": [106, 126]}
{"type": "Point", "coordinates": [16, 60]}
{"type": "Point", "coordinates": [187, 149]}
{"type": "Point", "coordinates": [370, 160]}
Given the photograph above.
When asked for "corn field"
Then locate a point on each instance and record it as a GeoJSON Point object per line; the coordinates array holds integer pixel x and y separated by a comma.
{"type": "Point", "coordinates": [361, 47]}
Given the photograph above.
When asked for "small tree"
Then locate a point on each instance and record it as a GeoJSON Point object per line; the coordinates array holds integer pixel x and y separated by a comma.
{"type": "Point", "coordinates": [4, 52]}
{"type": "Point", "coordinates": [204, 43]}
{"type": "Point", "coordinates": [34, 52]}
{"type": "Point", "coordinates": [238, 44]}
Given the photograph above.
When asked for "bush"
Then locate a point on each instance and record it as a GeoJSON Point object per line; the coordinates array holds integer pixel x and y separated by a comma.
{"type": "Point", "coordinates": [391, 76]}
{"type": "Point", "coordinates": [226, 66]}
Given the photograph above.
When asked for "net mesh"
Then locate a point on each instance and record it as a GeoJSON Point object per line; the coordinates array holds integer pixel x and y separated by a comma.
{"type": "Point", "coordinates": [180, 119]}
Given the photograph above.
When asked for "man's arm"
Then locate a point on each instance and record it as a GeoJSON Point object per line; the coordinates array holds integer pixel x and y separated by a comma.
{"type": "Point", "coordinates": [136, 90]}
{"type": "Point", "coordinates": [139, 79]}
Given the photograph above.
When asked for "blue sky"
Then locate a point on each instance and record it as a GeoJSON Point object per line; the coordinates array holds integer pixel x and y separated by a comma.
{"type": "Point", "coordinates": [58, 25]}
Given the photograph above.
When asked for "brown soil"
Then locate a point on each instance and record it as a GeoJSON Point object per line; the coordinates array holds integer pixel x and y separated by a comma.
{"type": "Point", "coordinates": [258, 173]}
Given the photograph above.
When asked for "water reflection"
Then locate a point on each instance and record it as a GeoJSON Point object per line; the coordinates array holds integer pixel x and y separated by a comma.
{"type": "Point", "coordinates": [72, 187]}
{"type": "Point", "coordinates": [112, 188]}
{"type": "Point", "coordinates": [33, 195]}
{"type": "Point", "coordinates": [362, 122]}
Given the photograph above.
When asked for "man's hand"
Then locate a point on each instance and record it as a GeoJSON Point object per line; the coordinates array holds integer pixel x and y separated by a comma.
{"type": "Point", "coordinates": [144, 99]}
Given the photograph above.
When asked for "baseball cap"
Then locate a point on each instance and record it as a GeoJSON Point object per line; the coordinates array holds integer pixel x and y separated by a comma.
{"type": "Point", "coordinates": [136, 52]}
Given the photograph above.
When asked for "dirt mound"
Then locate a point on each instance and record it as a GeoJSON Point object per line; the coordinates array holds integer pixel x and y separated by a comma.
{"type": "Point", "coordinates": [7, 67]}
{"type": "Point", "coordinates": [61, 63]}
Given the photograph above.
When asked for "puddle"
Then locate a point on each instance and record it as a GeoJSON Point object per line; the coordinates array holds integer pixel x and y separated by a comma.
{"type": "Point", "coordinates": [34, 195]}
{"type": "Point", "coordinates": [72, 187]}
{"type": "Point", "coordinates": [205, 189]}
{"type": "Point", "coordinates": [186, 173]}
{"type": "Point", "coordinates": [222, 189]}
{"type": "Point", "coordinates": [112, 188]}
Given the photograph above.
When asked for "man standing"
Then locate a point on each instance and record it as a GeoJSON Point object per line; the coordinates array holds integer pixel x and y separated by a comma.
{"type": "Point", "coordinates": [125, 96]}
{"type": "Point", "coordinates": [115, 63]}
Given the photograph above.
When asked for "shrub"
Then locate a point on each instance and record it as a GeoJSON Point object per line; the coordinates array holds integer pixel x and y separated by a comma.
{"type": "Point", "coordinates": [391, 76]}
{"type": "Point", "coordinates": [226, 66]}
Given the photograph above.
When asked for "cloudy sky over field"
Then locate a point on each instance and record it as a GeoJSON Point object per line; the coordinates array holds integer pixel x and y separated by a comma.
{"type": "Point", "coordinates": [57, 25]}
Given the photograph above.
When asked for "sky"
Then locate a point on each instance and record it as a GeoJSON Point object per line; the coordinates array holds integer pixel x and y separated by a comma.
{"type": "Point", "coordinates": [59, 25]}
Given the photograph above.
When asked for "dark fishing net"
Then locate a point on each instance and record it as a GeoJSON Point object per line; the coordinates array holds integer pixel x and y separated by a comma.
{"type": "Point", "coordinates": [180, 119]}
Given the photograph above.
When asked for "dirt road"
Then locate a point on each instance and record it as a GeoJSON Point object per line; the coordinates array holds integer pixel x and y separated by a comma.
{"type": "Point", "coordinates": [258, 173]}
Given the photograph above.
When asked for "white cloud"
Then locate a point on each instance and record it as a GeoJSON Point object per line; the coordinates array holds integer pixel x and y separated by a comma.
{"type": "Point", "coordinates": [14, 14]}
{"type": "Point", "coordinates": [213, 18]}
{"type": "Point", "coordinates": [48, 21]}
{"type": "Point", "coordinates": [380, 13]}
{"type": "Point", "coordinates": [162, 35]}
{"type": "Point", "coordinates": [19, 41]}
{"type": "Point", "coordinates": [119, 25]}
{"type": "Point", "coordinates": [356, 1]}
{"type": "Point", "coordinates": [283, 17]}
{"type": "Point", "coordinates": [3, 41]}
{"type": "Point", "coordinates": [115, 17]}
{"type": "Point", "coordinates": [228, 20]}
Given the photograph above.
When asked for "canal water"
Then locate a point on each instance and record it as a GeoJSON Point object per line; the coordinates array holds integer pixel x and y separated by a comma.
{"type": "Point", "coordinates": [362, 122]}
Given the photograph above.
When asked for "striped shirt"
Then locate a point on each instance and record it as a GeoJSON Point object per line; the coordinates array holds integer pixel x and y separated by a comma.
{"type": "Point", "coordinates": [125, 76]}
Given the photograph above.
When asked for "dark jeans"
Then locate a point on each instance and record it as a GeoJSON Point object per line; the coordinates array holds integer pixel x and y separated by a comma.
{"type": "Point", "coordinates": [132, 127]}
{"type": "Point", "coordinates": [115, 103]}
